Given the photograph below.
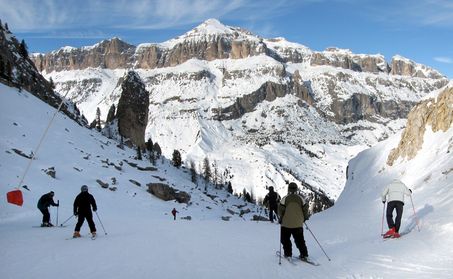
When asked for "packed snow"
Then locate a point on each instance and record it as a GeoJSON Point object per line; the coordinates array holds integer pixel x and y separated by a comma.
{"type": "Point", "coordinates": [141, 239]}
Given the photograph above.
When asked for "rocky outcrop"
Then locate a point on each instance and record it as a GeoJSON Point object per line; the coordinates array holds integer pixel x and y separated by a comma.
{"type": "Point", "coordinates": [109, 54]}
{"type": "Point", "coordinates": [405, 67]}
{"type": "Point", "coordinates": [132, 110]}
{"type": "Point", "coordinates": [347, 60]}
{"type": "Point", "coordinates": [436, 113]}
{"type": "Point", "coordinates": [366, 107]}
{"type": "Point", "coordinates": [167, 193]}
{"type": "Point", "coordinates": [269, 91]}
{"type": "Point", "coordinates": [18, 70]}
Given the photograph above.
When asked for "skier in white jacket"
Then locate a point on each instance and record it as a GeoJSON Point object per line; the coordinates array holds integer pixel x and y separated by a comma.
{"type": "Point", "coordinates": [394, 195]}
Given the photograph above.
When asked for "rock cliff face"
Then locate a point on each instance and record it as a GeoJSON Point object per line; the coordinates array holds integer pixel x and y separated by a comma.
{"type": "Point", "coordinates": [347, 60]}
{"type": "Point", "coordinates": [108, 54]}
{"type": "Point", "coordinates": [405, 67]}
{"type": "Point", "coordinates": [132, 111]}
{"type": "Point", "coordinates": [435, 113]}
{"type": "Point", "coordinates": [17, 70]}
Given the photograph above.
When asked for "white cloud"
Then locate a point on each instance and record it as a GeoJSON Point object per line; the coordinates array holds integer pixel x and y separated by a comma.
{"type": "Point", "coordinates": [443, 59]}
{"type": "Point", "coordinates": [47, 15]}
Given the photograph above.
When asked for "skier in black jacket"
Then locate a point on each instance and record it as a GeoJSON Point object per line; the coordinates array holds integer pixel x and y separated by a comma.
{"type": "Point", "coordinates": [44, 202]}
{"type": "Point", "coordinates": [271, 200]}
{"type": "Point", "coordinates": [82, 208]}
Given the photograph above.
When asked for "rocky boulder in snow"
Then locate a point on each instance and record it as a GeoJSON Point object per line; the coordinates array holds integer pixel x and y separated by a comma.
{"type": "Point", "coordinates": [436, 113]}
{"type": "Point", "coordinates": [167, 193]}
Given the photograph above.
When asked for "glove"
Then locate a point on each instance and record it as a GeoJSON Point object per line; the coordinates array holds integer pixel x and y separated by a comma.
{"type": "Point", "coordinates": [75, 213]}
{"type": "Point", "coordinates": [58, 204]}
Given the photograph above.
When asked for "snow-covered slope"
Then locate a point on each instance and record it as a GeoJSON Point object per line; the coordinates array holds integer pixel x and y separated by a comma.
{"type": "Point", "coordinates": [81, 156]}
{"type": "Point", "coordinates": [143, 241]}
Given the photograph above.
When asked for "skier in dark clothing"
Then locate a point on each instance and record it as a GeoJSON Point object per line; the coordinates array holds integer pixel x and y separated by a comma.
{"type": "Point", "coordinates": [271, 201]}
{"type": "Point", "coordinates": [44, 202]}
{"type": "Point", "coordinates": [293, 211]}
{"type": "Point", "coordinates": [174, 211]}
{"type": "Point", "coordinates": [82, 208]}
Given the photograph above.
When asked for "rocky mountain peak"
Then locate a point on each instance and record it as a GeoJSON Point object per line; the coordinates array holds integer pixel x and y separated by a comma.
{"type": "Point", "coordinates": [406, 67]}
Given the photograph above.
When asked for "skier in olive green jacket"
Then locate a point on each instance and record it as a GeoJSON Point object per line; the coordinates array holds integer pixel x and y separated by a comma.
{"type": "Point", "coordinates": [293, 211]}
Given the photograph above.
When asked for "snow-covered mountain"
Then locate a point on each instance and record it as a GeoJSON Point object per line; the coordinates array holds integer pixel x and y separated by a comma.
{"type": "Point", "coordinates": [138, 238]}
{"type": "Point", "coordinates": [264, 110]}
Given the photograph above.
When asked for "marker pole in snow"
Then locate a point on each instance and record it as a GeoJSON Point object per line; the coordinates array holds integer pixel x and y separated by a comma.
{"type": "Point", "coordinates": [382, 225]}
{"type": "Point", "coordinates": [67, 220]}
{"type": "Point", "coordinates": [58, 202]}
{"type": "Point", "coordinates": [316, 239]}
{"type": "Point", "coordinates": [416, 217]}
{"type": "Point", "coordinates": [280, 244]}
{"type": "Point", "coordinates": [100, 222]}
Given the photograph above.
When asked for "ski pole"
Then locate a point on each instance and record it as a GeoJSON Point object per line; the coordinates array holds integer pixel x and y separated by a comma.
{"type": "Point", "coordinates": [67, 220]}
{"type": "Point", "coordinates": [280, 244]}
{"type": "Point", "coordinates": [316, 240]}
{"type": "Point", "coordinates": [100, 222]}
{"type": "Point", "coordinates": [415, 215]}
{"type": "Point", "coordinates": [58, 202]}
{"type": "Point", "coordinates": [382, 223]}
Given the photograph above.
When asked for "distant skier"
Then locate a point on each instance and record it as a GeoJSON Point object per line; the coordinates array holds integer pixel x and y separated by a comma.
{"type": "Point", "coordinates": [82, 208]}
{"type": "Point", "coordinates": [293, 211]}
{"type": "Point", "coordinates": [394, 194]}
{"type": "Point", "coordinates": [174, 211]}
{"type": "Point", "coordinates": [44, 202]}
{"type": "Point", "coordinates": [271, 201]}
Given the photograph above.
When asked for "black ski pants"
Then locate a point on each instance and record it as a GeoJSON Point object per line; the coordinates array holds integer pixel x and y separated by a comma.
{"type": "Point", "coordinates": [298, 235]}
{"type": "Point", "coordinates": [82, 217]}
{"type": "Point", "coordinates": [272, 211]}
{"type": "Point", "coordinates": [398, 206]}
{"type": "Point", "coordinates": [45, 215]}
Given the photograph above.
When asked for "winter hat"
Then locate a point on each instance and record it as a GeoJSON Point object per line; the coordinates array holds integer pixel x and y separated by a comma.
{"type": "Point", "coordinates": [84, 188]}
{"type": "Point", "coordinates": [271, 188]}
{"type": "Point", "coordinates": [292, 187]}
{"type": "Point", "coordinates": [52, 193]}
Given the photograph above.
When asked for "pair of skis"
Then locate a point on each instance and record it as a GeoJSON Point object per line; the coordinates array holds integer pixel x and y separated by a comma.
{"type": "Point", "coordinates": [293, 260]}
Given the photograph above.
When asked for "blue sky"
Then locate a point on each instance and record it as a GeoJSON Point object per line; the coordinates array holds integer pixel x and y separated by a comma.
{"type": "Point", "coordinates": [421, 30]}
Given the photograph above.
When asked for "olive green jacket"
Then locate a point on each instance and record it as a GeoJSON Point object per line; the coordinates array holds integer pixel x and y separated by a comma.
{"type": "Point", "coordinates": [293, 211]}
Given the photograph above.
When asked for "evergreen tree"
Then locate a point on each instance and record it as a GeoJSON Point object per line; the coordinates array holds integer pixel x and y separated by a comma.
{"type": "Point", "coordinates": [149, 145]}
{"type": "Point", "coordinates": [9, 71]}
{"type": "Point", "coordinates": [215, 175]}
{"type": "Point", "coordinates": [206, 170]}
{"type": "Point", "coordinates": [98, 119]}
{"type": "Point", "coordinates": [229, 187]}
{"type": "Point", "coordinates": [193, 172]}
{"type": "Point", "coordinates": [157, 150]}
{"type": "Point", "coordinates": [93, 124]}
{"type": "Point", "coordinates": [111, 114]}
{"type": "Point", "coordinates": [23, 49]}
{"type": "Point", "coordinates": [139, 153]}
{"type": "Point", "coordinates": [2, 67]}
{"type": "Point", "coordinates": [176, 158]}
{"type": "Point", "coordinates": [52, 84]}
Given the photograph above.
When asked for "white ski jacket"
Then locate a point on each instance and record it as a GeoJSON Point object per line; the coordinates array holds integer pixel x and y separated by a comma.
{"type": "Point", "coordinates": [395, 191]}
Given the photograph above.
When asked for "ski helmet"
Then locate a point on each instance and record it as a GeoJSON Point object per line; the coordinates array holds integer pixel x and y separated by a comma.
{"type": "Point", "coordinates": [84, 188]}
{"type": "Point", "coordinates": [292, 187]}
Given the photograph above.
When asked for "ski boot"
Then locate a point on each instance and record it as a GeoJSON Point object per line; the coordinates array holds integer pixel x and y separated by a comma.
{"type": "Point", "coordinates": [389, 233]}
